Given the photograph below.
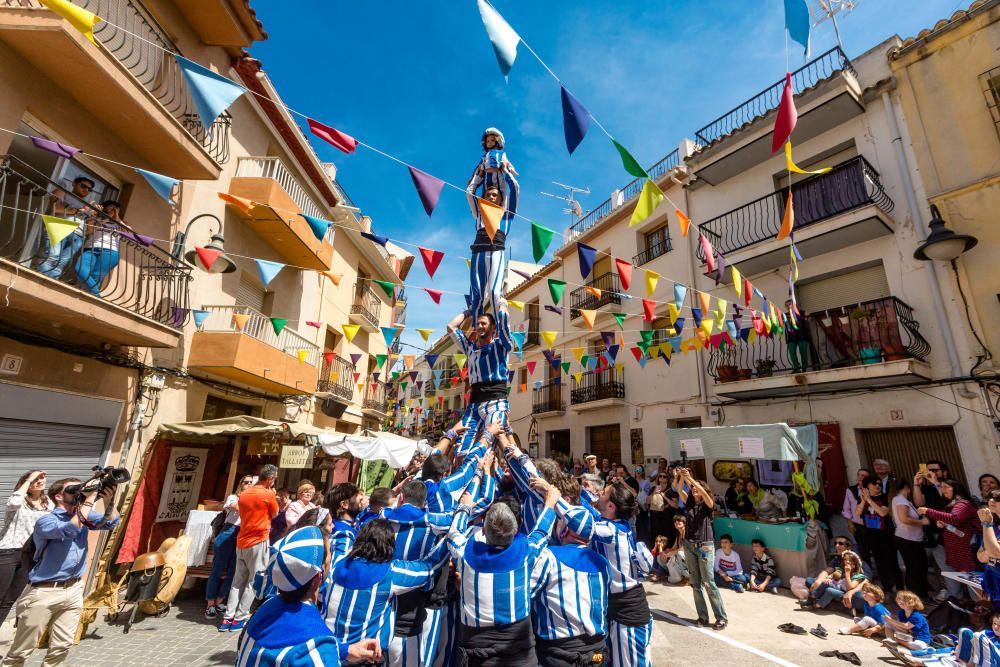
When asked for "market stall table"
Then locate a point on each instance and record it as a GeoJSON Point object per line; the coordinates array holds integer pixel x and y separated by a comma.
{"type": "Point", "coordinates": [786, 542]}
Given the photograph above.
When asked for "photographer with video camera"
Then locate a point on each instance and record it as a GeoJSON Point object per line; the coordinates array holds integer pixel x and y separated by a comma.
{"type": "Point", "coordinates": [53, 600]}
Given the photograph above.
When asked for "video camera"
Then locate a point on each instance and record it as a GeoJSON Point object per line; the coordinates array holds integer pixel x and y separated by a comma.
{"type": "Point", "coordinates": [108, 478]}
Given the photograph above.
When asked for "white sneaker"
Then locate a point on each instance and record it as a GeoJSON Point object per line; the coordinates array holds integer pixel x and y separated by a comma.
{"type": "Point", "coordinates": [844, 631]}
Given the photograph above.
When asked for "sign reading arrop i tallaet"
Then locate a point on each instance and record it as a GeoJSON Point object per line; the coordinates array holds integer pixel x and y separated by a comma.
{"type": "Point", "coordinates": [296, 456]}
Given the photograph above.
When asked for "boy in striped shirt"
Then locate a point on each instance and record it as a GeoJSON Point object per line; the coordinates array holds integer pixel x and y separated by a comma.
{"type": "Point", "coordinates": [487, 353]}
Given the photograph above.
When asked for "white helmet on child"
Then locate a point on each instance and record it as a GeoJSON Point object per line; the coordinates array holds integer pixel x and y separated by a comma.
{"type": "Point", "coordinates": [496, 134]}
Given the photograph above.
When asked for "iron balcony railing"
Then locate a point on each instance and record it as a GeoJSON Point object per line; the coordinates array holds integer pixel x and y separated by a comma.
{"type": "Point", "coordinates": [611, 289]}
{"type": "Point", "coordinates": [597, 385]}
{"type": "Point", "coordinates": [346, 199]}
{"type": "Point", "coordinates": [652, 252]}
{"type": "Point", "coordinates": [548, 397]}
{"type": "Point", "coordinates": [101, 258]}
{"type": "Point", "coordinates": [367, 303]}
{"type": "Point", "coordinates": [850, 185]}
{"type": "Point", "coordinates": [861, 334]}
{"type": "Point", "coordinates": [337, 378]}
{"type": "Point", "coordinates": [414, 392]}
{"type": "Point", "coordinates": [274, 168]}
{"type": "Point", "coordinates": [375, 397]}
{"type": "Point", "coordinates": [132, 35]}
{"type": "Point", "coordinates": [816, 70]}
{"type": "Point", "coordinates": [259, 327]}
{"type": "Point", "coordinates": [625, 195]}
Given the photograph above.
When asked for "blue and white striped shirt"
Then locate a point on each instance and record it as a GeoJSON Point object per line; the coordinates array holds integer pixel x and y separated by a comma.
{"type": "Point", "coordinates": [361, 601]}
{"type": "Point", "coordinates": [497, 584]}
{"type": "Point", "coordinates": [341, 541]}
{"type": "Point", "coordinates": [416, 529]}
{"type": "Point", "coordinates": [574, 598]}
{"type": "Point", "coordinates": [522, 469]}
{"type": "Point", "coordinates": [488, 363]}
{"type": "Point", "coordinates": [289, 634]}
{"type": "Point", "coordinates": [494, 171]}
{"type": "Point", "coordinates": [443, 496]}
{"type": "Point", "coordinates": [630, 560]}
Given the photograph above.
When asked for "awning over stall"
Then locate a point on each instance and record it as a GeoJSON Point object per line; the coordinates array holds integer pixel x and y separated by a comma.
{"type": "Point", "coordinates": [394, 449]}
{"type": "Point", "coordinates": [781, 442]}
{"type": "Point", "coordinates": [238, 425]}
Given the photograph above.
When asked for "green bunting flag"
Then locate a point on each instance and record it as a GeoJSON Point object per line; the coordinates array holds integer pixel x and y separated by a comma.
{"type": "Point", "coordinates": [278, 323]}
{"type": "Point", "coordinates": [380, 359]}
{"type": "Point", "coordinates": [620, 319]}
{"type": "Point", "coordinates": [647, 336]}
{"type": "Point", "coordinates": [387, 287]}
{"type": "Point", "coordinates": [629, 162]}
{"type": "Point", "coordinates": [556, 289]}
{"type": "Point", "coordinates": [541, 237]}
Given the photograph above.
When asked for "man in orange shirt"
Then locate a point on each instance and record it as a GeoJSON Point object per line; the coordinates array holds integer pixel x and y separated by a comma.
{"type": "Point", "coordinates": [258, 505]}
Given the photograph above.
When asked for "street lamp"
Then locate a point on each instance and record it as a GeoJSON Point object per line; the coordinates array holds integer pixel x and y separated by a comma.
{"type": "Point", "coordinates": [222, 264]}
{"type": "Point", "coordinates": [943, 244]}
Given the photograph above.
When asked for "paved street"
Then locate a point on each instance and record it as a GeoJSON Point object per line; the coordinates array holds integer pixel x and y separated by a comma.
{"type": "Point", "coordinates": [185, 637]}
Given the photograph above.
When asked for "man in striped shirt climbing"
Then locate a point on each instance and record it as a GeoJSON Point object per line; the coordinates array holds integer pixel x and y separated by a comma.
{"type": "Point", "coordinates": [487, 352]}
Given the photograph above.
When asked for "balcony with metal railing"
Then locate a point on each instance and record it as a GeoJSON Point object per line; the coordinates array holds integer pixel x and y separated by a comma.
{"type": "Point", "coordinates": [241, 344]}
{"type": "Point", "coordinates": [598, 388]}
{"type": "Point", "coordinates": [273, 168]}
{"type": "Point", "coordinates": [623, 196]}
{"type": "Point", "coordinates": [102, 284]}
{"type": "Point", "coordinates": [548, 399]}
{"type": "Point", "coordinates": [849, 200]}
{"type": "Point", "coordinates": [153, 111]}
{"type": "Point", "coordinates": [602, 290]}
{"type": "Point", "coordinates": [366, 307]}
{"type": "Point", "coordinates": [376, 402]}
{"type": "Point", "coordinates": [336, 377]}
{"type": "Point", "coordinates": [827, 94]}
{"type": "Point", "coordinates": [875, 343]}
{"type": "Point", "coordinates": [651, 252]}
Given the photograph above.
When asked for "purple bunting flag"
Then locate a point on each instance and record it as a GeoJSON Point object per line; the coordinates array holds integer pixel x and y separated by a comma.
{"type": "Point", "coordinates": [62, 150]}
{"type": "Point", "coordinates": [428, 189]}
{"type": "Point", "coordinates": [608, 337]}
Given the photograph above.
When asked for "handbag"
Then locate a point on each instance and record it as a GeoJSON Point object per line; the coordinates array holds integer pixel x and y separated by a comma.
{"type": "Point", "coordinates": [218, 523]}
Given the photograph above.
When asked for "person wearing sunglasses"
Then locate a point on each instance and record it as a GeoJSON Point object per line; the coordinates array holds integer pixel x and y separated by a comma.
{"type": "Point", "coordinates": [224, 557]}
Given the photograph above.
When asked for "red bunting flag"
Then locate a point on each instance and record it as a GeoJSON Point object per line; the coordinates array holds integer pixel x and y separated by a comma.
{"type": "Point", "coordinates": [454, 381]}
{"type": "Point", "coordinates": [648, 309]}
{"type": "Point", "coordinates": [787, 116]}
{"type": "Point", "coordinates": [315, 325]}
{"type": "Point", "coordinates": [747, 292]}
{"type": "Point", "coordinates": [335, 138]}
{"type": "Point", "coordinates": [624, 272]}
{"type": "Point", "coordinates": [432, 259]}
{"type": "Point", "coordinates": [328, 357]}
{"type": "Point", "coordinates": [207, 257]}
{"type": "Point", "coordinates": [357, 376]}
{"type": "Point", "coordinates": [706, 247]}
{"type": "Point", "coordinates": [637, 353]}
{"type": "Point", "coordinates": [531, 366]}
{"type": "Point", "coordinates": [435, 294]}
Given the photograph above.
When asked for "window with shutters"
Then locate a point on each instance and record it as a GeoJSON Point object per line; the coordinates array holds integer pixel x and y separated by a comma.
{"type": "Point", "coordinates": [533, 311]}
{"type": "Point", "coordinates": [250, 293]}
{"type": "Point", "coordinates": [989, 81]}
{"type": "Point", "coordinates": [850, 288]}
{"type": "Point", "coordinates": [661, 330]}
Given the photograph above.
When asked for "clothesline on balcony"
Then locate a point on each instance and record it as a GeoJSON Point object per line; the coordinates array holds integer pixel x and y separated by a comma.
{"type": "Point", "coordinates": [342, 143]}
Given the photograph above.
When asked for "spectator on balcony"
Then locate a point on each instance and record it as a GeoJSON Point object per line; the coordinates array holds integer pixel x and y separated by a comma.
{"type": "Point", "coordinates": [99, 255]}
{"type": "Point", "coordinates": [77, 207]}
{"type": "Point", "coordinates": [797, 339]}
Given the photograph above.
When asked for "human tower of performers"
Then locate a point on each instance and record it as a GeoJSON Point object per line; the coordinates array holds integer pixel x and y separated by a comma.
{"type": "Point", "coordinates": [486, 557]}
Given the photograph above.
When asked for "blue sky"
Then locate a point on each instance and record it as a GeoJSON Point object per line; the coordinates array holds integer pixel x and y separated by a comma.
{"type": "Point", "coordinates": [419, 80]}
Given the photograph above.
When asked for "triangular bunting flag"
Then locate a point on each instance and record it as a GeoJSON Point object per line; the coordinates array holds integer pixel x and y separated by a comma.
{"type": "Point", "coordinates": [620, 319]}
{"type": "Point", "coordinates": [706, 247]}
{"type": "Point", "coordinates": [355, 358]}
{"type": "Point", "coordinates": [240, 320]}
{"type": "Point", "coordinates": [705, 301]}
{"type": "Point", "coordinates": [608, 338]}
{"type": "Point", "coordinates": [431, 360]}
{"type": "Point", "coordinates": [200, 316]}
{"type": "Point", "coordinates": [78, 17]}
{"type": "Point", "coordinates": [502, 36]}
{"type": "Point", "coordinates": [680, 292]}
{"type": "Point", "coordinates": [576, 120]}
{"type": "Point", "coordinates": [335, 278]}
{"type": "Point", "coordinates": [459, 359]}
{"type": "Point", "coordinates": [408, 360]}
{"type": "Point", "coordinates": [425, 333]}
{"type": "Point", "coordinates": [787, 117]}
{"type": "Point", "coordinates": [683, 221]}
{"type": "Point", "coordinates": [648, 309]}
{"type": "Point", "coordinates": [696, 315]}
{"type": "Point", "coordinates": [320, 227]}
{"type": "Point", "coordinates": [375, 238]}
{"type": "Point", "coordinates": [162, 185]}
{"type": "Point", "coordinates": [303, 355]}
{"type": "Point", "coordinates": [58, 228]}
{"type": "Point", "coordinates": [387, 287]}
{"type": "Point", "coordinates": [737, 282]}
{"type": "Point", "coordinates": [586, 255]}
{"type": "Point", "coordinates": [278, 323]}
{"type": "Point", "coordinates": [334, 137]}
{"type": "Point", "coordinates": [315, 325]}
{"type": "Point", "coordinates": [380, 360]}
{"type": "Point", "coordinates": [549, 337]}
{"type": "Point", "coordinates": [541, 237]}
{"type": "Point", "coordinates": [389, 333]}
{"type": "Point", "coordinates": [428, 189]}
{"type": "Point", "coordinates": [629, 163]}
{"type": "Point", "coordinates": [212, 93]}
{"type": "Point", "coordinates": [518, 337]}
{"type": "Point", "coordinates": [328, 357]}
{"type": "Point", "coordinates": [588, 316]}
{"type": "Point", "coordinates": [747, 292]}
{"type": "Point", "coordinates": [517, 304]}
{"type": "Point", "coordinates": [797, 21]}
{"type": "Point", "coordinates": [556, 288]}
{"type": "Point", "coordinates": [268, 270]}
{"type": "Point", "coordinates": [788, 220]}
{"type": "Point", "coordinates": [350, 331]}
{"type": "Point", "coordinates": [492, 215]}
{"type": "Point", "coordinates": [652, 277]}
{"type": "Point", "coordinates": [624, 272]}
{"type": "Point", "coordinates": [565, 367]}
{"type": "Point", "coordinates": [792, 167]}
{"type": "Point", "coordinates": [54, 147]}
{"type": "Point", "coordinates": [432, 259]}
{"type": "Point", "coordinates": [531, 366]}
{"type": "Point", "coordinates": [434, 294]}
{"type": "Point", "coordinates": [649, 199]}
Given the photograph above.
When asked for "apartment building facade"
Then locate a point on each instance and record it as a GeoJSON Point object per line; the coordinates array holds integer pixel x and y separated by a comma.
{"type": "Point", "coordinates": [92, 368]}
{"type": "Point", "coordinates": [883, 344]}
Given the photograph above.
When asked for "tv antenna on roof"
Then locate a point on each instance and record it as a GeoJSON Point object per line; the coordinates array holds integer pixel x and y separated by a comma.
{"type": "Point", "coordinates": [827, 10]}
{"type": "Point", "coordinates": [574, 209]}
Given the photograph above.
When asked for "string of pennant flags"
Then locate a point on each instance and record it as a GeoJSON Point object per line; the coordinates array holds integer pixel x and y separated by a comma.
{"type": "Point", "coordinates": [213, 93]}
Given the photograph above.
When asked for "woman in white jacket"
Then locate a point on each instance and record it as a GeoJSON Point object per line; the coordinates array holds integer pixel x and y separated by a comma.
{"type": "Point", "coordinates": [302, 504]}
{"type": "Point", "coordinates": [25, 506]}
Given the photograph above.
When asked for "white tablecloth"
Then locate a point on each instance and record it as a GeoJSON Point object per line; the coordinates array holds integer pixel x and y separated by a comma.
{"type": "Point", "coordinates": [199, 529]}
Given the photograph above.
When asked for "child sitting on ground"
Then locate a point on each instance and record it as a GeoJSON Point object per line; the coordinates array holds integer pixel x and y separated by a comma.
{"type": "Point", "coordinates": [728, 566]}
{"type": "Point", "coordinates": [909, 628]}
{"type": "Point", "coordinates": [670, 561]}
{"type": "Point", "coordinates": [875, 611]}
{"type": "Point", "coordinates": [660, 546]}
{"type": "Point", "coordinates": [763, 572]}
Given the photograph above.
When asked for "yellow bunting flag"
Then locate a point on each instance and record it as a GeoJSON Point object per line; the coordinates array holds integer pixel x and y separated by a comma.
{"type": "Point", "coordinates": [705, 301]}
{"type": "Point", "coordinates": [578, 352]}
{"type": "Point", "coordinates": [425, 333]}
{"type": "Point", "coordinates": [708, 325]}
{"type": "Point", "coordinates": [468, 263]}
{"type": "Point", "coordinates": [549, 337]}
{"type": "Point", "coordinates": [578, 376]}
{"type": "Point", "coordinates": [588, 317]}
{"type": "Point", "coordinates": [720, 306]}
{"type": "Point", "coordinates": [788, 221]}
{"type": "Point", "coordinates": [58, 228]}
{"type": "Point", "coordinates": [650, 197]}
{"type": "Point", "coordinates": [683, 221]}
{"type": "Point", "coordinates": [795, 262]}
{"type": "Point", "coordinates": [408, 361]}
{"type": "Point", "coordinates": [666, 349]}
{"type": "Point", "coordinates": [492, 215]}
{"type": "Point", "coordinates": [240, 320]}
{"type": "Point", "coordinates": [593, 291]}
{"type": "Point", "coordinates": [459, 359]}
{"type": "Point", "coordinates": [652, 277]}
{"type": "Point", "coordinates": [517, 304]}
{"type": "Point", "coordinates": [737, 282]}
{"type": "Point", "coordinates": [620, 367]}
{"type": "Point", "coordinates": [334, 376]}
{"type": "Point", "coordinates": [334, 277]}
{"type": "Point", "coordinates": [78, 17]}
{"type": "Point", "coordinates": [674, 313]}
{"type": "Point", "coordinates": [791, 166]}
{"type": "Point", "coordinates": [653, 351]}
{"type": "Point", "coordinates": [350, 331]}
{"type": "Point", "coordinates": [303, 355]}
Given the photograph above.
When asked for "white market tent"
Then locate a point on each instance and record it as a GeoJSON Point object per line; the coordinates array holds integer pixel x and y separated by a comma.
{"type": "Point", "coordinates": [781, 442]}
{"type": "Point", "coordinates": [395, 450]}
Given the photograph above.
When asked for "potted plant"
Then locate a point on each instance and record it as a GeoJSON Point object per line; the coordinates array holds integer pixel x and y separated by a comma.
{"type": "Point", "coordinates": [744, 374]}
{"type": "Point", "coordinates": [765, 367]}
{"type": "Point", "coordinates": [727, 370]}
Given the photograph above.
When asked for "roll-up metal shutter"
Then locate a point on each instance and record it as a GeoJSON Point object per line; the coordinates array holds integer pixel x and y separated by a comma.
{"type": "Point", "coordinates": [250, 293]}
{"type": "Point", "coordinates": [847, 289]}
{"type": "Point", "coordinates": [906, 448]}
{"type": "Point", "coordinates": [61, 450]}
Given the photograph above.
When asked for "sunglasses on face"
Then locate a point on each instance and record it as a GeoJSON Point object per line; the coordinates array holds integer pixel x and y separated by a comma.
{"type": "Point", "coordinates": [841, 544]}
{"type": "Point", "coordinates": [247, 481]}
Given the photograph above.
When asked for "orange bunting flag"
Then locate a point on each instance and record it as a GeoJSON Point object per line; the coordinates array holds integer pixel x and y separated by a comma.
{"type": "Point", "coordinates": [683, 221]}
{"type": "Point", "coordinates": [241, 203]}
{"type": "Point", "coordinates": [705, 301]}
{"type": "Point", "coordinates": [492, 215]}
{"type": "Point", "coordinates": [408, 361]}
{"type": "Point", "coordinates": [588, 317]}
{"type": "Point", "coordinates": [334, 277]}
{"type": "Point", "coordinates": [240, 320]}
{"type": "Point", "coordinates": [593, 291]}
{"type": "Point", "coordinates": [788, 221]}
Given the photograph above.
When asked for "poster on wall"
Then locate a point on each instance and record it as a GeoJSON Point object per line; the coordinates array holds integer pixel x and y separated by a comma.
{"type": "Point", "coordinates": [751, 448]}
{"type": "Point", "coordinates": [635, 440]}
{"type": "Point", "coordinates": [182, 483]}
{"type": "Point", "coordinates": [693, 448]}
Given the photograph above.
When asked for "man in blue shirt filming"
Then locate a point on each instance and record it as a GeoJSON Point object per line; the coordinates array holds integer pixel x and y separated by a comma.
{"type": "Point", "coordinates": [53, 599]}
